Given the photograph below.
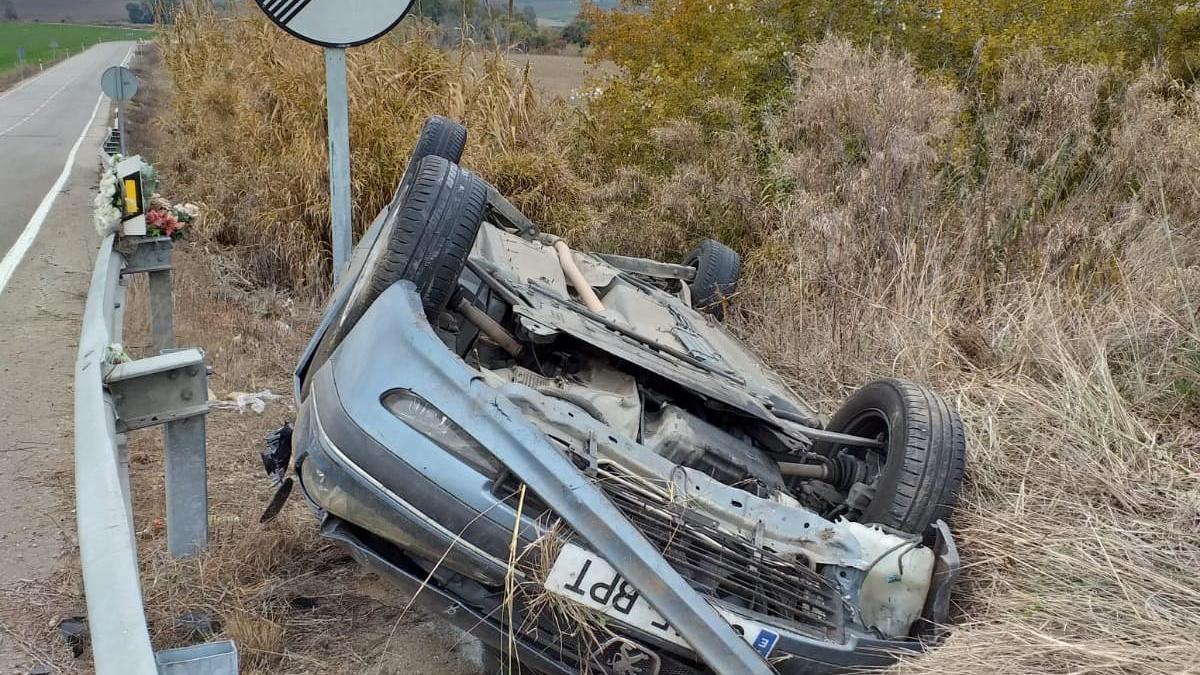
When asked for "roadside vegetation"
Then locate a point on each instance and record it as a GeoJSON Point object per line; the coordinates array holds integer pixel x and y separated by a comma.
{"type": "Point", "coordinates": [999, 201]}
{"type": "Point", "coordinates": [48, 42]}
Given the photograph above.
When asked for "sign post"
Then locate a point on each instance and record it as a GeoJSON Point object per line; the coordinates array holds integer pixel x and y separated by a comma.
{"type": "Point", "coordinates": [338, 110]}
{"type": "Point", "coordinates": [120, 84]}
{"type": "Point", "coordinates": [336, 25]}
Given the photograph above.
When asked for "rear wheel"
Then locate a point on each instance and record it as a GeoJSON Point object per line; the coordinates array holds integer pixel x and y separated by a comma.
{"type": "Point", "coordinates": [440, 137]}
{"type": "Point", "coordinates": [915, 479]}
{"type": "Point", "coordinates": [435, 226]}
{"type": "Point", "coordinates": [426, 242]}
{"type": "Point", "coordinates": [718, 269]}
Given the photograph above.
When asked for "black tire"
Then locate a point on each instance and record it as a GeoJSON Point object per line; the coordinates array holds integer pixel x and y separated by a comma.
{"type": "Point", "coordinates": [925, 446]}
{"type": "Point", "coordinates": [434, 227]}
{"type": "Point", "coordinates": [439, 137]}
{"type": "Point", "coordinates": [718, 269]}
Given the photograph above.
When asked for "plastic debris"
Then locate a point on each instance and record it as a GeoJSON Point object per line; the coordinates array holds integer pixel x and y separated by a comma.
{"type": "Point", "coordinates": [74, 633]}
{"type": "Point", "coordinates": [276, 459]}
{"type": "Point", "coordinates": [278, 454]}
{"type": "Point", "coordinates": [242, 401]}
{"type": "Point", "coordinates": [115, 353]}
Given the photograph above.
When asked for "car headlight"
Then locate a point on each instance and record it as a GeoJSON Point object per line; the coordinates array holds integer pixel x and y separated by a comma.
{"type": "Point", "coordinates": [433, 424]}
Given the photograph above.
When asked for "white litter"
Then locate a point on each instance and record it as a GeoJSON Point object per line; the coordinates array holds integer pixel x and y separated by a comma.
{"type": "Point", "coordinates": [241, 401]}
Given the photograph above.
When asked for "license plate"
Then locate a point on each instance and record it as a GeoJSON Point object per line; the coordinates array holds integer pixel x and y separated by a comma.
{"type": "Point", "coordinates": [588, 580]}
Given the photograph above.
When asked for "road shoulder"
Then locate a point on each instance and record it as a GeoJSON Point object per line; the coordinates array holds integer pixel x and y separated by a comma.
{"type": "Point", "coordinates": [42, 306]}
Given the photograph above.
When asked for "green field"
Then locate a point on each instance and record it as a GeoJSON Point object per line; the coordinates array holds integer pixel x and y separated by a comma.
{"type": "Point", "coordinates": [40, 39]}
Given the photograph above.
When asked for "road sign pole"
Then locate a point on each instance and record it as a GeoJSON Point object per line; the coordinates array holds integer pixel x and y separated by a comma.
{"type": "Point", "coordinates": [339, 155]}
{"type": "Point", "coordinates": [121, 128]}
{"type": "Point", "coordinates": [120, 84]}
{"type": "Point", "coordinates": [329, 24]}
{"type": "Point", "coordinates": [121, 114]}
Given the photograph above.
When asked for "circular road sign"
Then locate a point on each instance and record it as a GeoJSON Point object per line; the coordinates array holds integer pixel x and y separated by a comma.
{"type": "Point", "coordinates": [119, 83]}
{"type": "Point", "coordinates": [336, 23]}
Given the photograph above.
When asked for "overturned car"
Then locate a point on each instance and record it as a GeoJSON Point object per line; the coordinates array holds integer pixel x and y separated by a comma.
{"type": "Point", "coordinates": [567, 455]}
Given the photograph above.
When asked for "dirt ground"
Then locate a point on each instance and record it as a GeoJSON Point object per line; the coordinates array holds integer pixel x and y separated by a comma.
{"type": "Point", "coordinates": [292, 602]}
{"type": "Point", "coordinates": [563, 75]}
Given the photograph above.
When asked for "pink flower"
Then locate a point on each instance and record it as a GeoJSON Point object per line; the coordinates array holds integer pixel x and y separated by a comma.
{"type": "Point", "coordinates": [163, 222]}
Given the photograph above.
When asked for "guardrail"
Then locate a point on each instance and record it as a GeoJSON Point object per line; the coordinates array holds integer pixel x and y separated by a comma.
{"type": "Point", "coordinates": [113, 396]}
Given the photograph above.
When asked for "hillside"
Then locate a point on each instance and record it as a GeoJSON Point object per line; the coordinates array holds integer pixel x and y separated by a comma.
{"type": "Point", "coordinates": [72, 11]}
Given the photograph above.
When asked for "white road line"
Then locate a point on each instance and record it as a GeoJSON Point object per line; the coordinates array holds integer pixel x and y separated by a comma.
{"type": "Point", "coordinates": [15, 254]}
{"type": "Point", "coordinates": [38, 109]}
{"type": "Point", "coordinates": [21, 86]}
{"type": "Point", "coordinates": [30, 80]}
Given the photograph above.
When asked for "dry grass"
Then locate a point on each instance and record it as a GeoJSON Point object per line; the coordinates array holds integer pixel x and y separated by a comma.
{"type": "Point", "coordinates": [1044, 279]}
{"type": "Point", "coordinates": [292, 602]}
{"type": "Point", "coordinates": [258, 122]}
{"type": "Point", "coordinates": [1033, 254]}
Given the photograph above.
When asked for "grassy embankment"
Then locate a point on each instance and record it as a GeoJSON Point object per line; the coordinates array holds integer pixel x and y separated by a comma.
{"type": "Point", "coordinates": [37, 40]}
{"type": "Point", "coordinates": [1034, 253]}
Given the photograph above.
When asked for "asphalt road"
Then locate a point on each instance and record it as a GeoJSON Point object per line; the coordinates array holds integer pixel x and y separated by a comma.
{"type": "Point", "coordinates": [51, 128]}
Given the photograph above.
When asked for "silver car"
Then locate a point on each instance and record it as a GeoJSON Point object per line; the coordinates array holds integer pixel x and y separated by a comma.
{"type": "Point", "coordinates": [569, 456]}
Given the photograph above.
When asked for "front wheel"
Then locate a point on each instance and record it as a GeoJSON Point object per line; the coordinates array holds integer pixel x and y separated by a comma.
{"type": "Point", "coordinates": [915, 479]}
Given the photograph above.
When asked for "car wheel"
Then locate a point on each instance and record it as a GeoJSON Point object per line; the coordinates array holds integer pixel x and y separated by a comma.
{"type": "Point", "coordinates": [916, 477]}
{"type": "Point", "coordinates": [434, 227]}
{"type": "Point", "coordinates": [440, 137]}
{"type": "Point", "coordinates": [718, 269]}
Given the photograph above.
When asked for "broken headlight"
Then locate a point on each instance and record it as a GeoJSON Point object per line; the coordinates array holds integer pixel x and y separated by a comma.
{"type": "Point", "coordinates": [433, 424]}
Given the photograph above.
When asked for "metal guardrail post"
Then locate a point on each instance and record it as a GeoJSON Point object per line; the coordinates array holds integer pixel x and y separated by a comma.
{"type": "Point", "coordinates": [152, 255]}
{"type": "Point", "coordinates": [171, 389]}
{"type": "Point", "coordinates": [162, 309]}
{"type": "Point", "coordinates": [183, 438]}
{"type": "Point", "coordinates": [187, 486]}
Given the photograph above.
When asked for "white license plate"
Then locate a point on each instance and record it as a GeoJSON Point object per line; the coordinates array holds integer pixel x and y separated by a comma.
{"type": "Point", "coordinates": [587, 579]}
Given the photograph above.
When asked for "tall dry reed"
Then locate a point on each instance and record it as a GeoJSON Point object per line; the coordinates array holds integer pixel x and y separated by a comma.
{"type": "Point", "coordinates": [246, 132]}
{"type": "Point", "coordinates": [1034, 253]}
{"type": "Point", "coordinates": [1041, 267]}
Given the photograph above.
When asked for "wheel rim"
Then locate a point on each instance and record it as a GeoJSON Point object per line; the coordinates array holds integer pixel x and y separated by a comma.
{"type": "Point", "coordinates": [868, 423]}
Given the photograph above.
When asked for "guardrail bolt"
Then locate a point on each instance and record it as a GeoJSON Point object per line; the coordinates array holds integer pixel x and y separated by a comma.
{"type": "Point", "coordinates": [185, 394]}
{"type": "Point", "coordinates": [191, 371]}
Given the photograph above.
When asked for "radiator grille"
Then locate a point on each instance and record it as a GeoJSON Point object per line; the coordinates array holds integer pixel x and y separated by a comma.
{"type": "Point", "coordinates": [721, 565]}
